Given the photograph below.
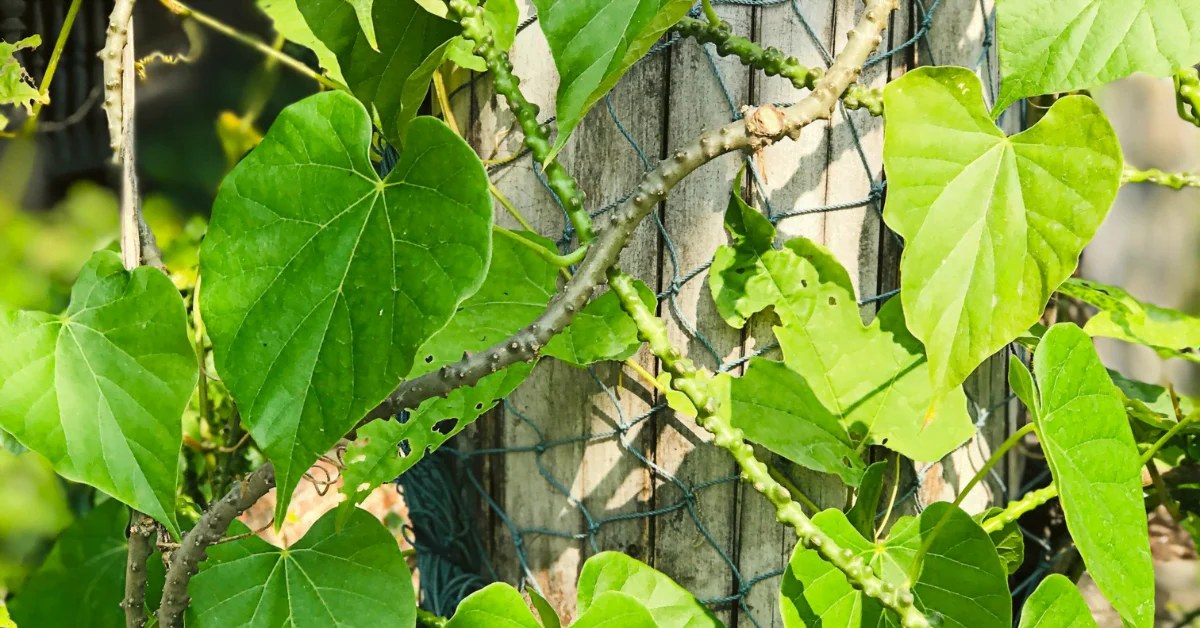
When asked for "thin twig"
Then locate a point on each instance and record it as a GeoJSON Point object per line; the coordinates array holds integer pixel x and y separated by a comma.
{"type": "Point", "coordinates": [186, 11]}
{"type": "Point", "coordinates": [44, 89]}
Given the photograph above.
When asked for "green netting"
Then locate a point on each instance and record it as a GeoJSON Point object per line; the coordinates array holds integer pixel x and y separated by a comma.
{"type": "Point", "coordinates": [453, 561]}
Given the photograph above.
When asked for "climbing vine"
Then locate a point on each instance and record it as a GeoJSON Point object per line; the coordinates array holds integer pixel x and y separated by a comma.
{"type": "Point", "coordinates": [345, 305]}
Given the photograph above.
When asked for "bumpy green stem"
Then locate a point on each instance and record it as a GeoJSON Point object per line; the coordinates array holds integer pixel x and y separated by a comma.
{"type": "Point", "coordinates": [1014, 510]}
{"type": "Point", "coordinates": [537, 135]}
{"type": "Point", "coordinates": [1177, 180]}
{"type": "Point", "coordinates": [694, 383]}
{"type": "Point", "coordinates": [1187, 95]}
{"type": "Point", "coordinates": [426, 618]}
{"type": "Point", "coordinates": [772, 62]}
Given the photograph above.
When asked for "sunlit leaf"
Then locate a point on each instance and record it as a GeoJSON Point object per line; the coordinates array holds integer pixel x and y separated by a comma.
{"type": "Point", "coordinates": [322, 281]}
{"type": "Point", "coordinates": [601, 331]}
{"type": "Point", "coordinates": [391, 79]}
{"type": "Point", "coordinates": [289, 22]}
{"type": "Point", "coordinates": [1060, 46]}
{"type": "Point", "coordinates": [962, 579]}
{"type": "Point", "coordinates": [82, 582]}
{"type": "Point", "coordinates": [1092, 455]}
{"type": "Point", "coordinates": [100, 391]}
{"type": "Point", "coordinates": [594, 42]}
{"type": "Point", "coordinates": [992, 224]}
{"type": "Point", "coordinates": [1056, 604]}
{"type": "Point", "coordinates": [670, 604]}
{"type": "Point", "coordinates": [1169, 332]}
{"type": "Point", "coordinates": [497, 604]}
{"type": "Point", "coordinates": [352, 577]}
{"type": "Point", "coordinates": [519, 283]}
{"type": "Point", "coordinates": [1152, 404]}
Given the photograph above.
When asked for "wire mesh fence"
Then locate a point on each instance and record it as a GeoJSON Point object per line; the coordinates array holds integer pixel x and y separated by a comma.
{"type": "Point", "coordinates": [452, 557]}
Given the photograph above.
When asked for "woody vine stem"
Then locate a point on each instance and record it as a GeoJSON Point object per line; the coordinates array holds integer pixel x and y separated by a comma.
{"type": "Point", "coordinates": [760, 127]}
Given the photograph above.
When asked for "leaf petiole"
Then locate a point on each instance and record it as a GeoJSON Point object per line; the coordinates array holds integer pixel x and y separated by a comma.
{"type": "Point", "coordinates": [559, 261]}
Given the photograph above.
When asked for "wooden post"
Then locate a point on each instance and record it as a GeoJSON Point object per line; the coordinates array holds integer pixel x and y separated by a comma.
{"type": "Point", "coordinates": [664, 100]}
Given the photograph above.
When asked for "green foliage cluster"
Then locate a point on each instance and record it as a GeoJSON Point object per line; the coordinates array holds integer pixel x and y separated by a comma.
{"type": "Point", "coordinates": [326, 289]}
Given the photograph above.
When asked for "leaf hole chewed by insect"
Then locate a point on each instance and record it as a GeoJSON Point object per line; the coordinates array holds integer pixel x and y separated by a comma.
{"type": "Point", "coordinates": [429, 359]}
{"type": "Point", "coordinates": [445, 426]}
{"type": "Point", "coordinates": [803, 283]}
{"type": "Point", "coordinates": [404, 448]}
{"type": "Point", "coordinates": [479, 406]}
{"type": "Point", "coordinates": [832, 301]}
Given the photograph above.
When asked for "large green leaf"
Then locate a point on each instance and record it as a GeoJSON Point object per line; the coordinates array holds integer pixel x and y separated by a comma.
{"type": "Point", "coordinates": [1169, 332]}
{"type": "Point", "coordinates": [321, 281]}
{"type": "Point", "coordinates": [501, 606]}
{"type": "Point", "coordinates": [1056, 604]}
{"type": "Point", "coordinates": [1095, 463]}
{"type": "Point", "coordinates": [670, 604]}
{"type": "Point", "coordinates": [961, 580]}
{"type": "Point", "coordinates": [355, 577]}
{"type": "Point", "coordinates": [100, 391]}
{"type": "Point", "coordinates": [992, 224]}
{"type": "Point", "coordinates": [1066, 45]}
{"type": "Point", "coordinates": [82, 582]}
{"type": "Point", "coordinates": [518, 286]}
{"type": "Point", "coordinates": [289, 22]}
{"type": "Point", "coordinates": [391, 79]}
{"type": "Point", "coordinates": [871, 380]}
{"type": "Point", "coordinates": [594, 42]}
{"type": "Point", "coordinates": [601, 331]}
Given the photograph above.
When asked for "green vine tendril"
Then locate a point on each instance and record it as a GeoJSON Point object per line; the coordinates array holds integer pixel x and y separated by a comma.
{"type": "Point", "coordinates": [694, 383]}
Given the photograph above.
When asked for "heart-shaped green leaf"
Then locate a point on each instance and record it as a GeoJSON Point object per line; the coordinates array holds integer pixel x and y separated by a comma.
{"type": "Point", "coordinates": [1060, 46]}
{"type": "Point", "coordinates": [353, 577]}
{"type": "Point", "coordinates": [594, 42]}
{"type": "Point", "coordinates": [321, 281]}
{"type": "Point", "coordinates": [100, 391]}
{"type": "Point", "coordinates": [1056, 604]}
{"type": "Point", "coordinates": [391, 78]}
{"type": "Point", "coordinates": [992, 224]}
{"type": "Point", "coordinates": [86, 567]}
{"type": "Point", "coordinates": [1092, 455]}
{"type": "Point", "coordinates": [519, 284]}
{"type": "Point", "coordinates": [961, 580]}
{"type": "Point", "coordinates": [845, 385]}
{"type": "Point", "coordinates": [601, 331]}
{"type": "Point", "coordinates": [1169, 332]}
{"type": "Point", "coordinates": [670, 604]}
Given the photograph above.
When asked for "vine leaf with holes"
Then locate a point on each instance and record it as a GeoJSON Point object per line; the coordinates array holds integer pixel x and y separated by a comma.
{"type": "Point", "coordinates": [16, 87]}
{"type": "Point", "coordinates": [1171, 333]}
{"type": "Point", "coordinates": [87, 566]}
{"type": "Point", "coordinates": [961, 578]}
{"type": "Point", "coordinates": [252, 583]}
{"type": "Point", "coordinates": [1077, 44]}
{"type": "Point", "coordinates": [518, 286]}
{"type": "Point", "coordinates": [1092, 455]}
{"type": "Point", "coordinates": [992, 224]}
{"type": "Point", "coordinates": [1056, 603]}
{"type": "Point", "coordinates": [322, 281]}
{"type": "Point", "coordinates": [842, 385]}
{"type": "Point", "coordinates": [100, 391]}
{"type": "Point", "coordinates": [391, 79]}
{"type": "Point", "coordinates": [594, 42]}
